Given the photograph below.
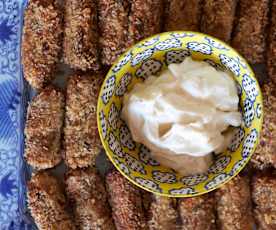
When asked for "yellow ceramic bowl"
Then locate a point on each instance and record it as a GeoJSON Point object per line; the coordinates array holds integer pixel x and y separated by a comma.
{"type": "Point", "coordinates": [150, 57]}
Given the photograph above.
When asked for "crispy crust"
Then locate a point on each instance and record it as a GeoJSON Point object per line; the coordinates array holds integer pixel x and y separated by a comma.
{"type": "Point", "coordinates": [249, 33]}
{"type": "Point", "coordinates": [113, 25]}
{"type": "Point", "coordinates": [218, 17]}
{"type": "Point", "coordinates": [162, 214]}
{"type": "Point", "coordinates": [81, 34]}
{"type": "Point", "coordinates": [41, 41]}
{"type": "Point", "coordinates": [88, 198]}
{"type": "Point", "coordinates": [265, 154]}
{"type": "Point", "coordinates": [43, 129]}
{"type": "Point", "coordinates": [47, 203]}
{"type": "Point", "coordinates": [145, 19]}
{"type": "Point", "coordinates": [264, 197]}
{"type": "Point", "coordinates": [271, 55]}
{"type": "Point", "coordinates": [126, 203]}
{"type": "Point", "coordinates": [182, 15]}
{"type": "Point", "coordinates": [197, 212]}
{"type": "Point", "coordinates": [81, 139]}
{"type": "Point", "coordinates": [234, 208]}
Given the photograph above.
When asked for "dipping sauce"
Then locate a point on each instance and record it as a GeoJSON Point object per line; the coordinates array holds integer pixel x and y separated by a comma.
{"type": "Point", "coordinates": [184, 114]}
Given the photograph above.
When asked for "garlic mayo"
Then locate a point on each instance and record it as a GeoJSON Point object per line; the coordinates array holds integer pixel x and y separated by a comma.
{"type": "Point", "coordinates": [182, 116]}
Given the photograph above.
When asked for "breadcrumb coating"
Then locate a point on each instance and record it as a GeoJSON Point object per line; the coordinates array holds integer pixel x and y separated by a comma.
{"type": "Point", "coordinates": [81, 34]}
{"type": "Point", "coordinates": [182, 15]}
{"type": "Point", "coordinates": [218, 17]}
{"type": "Point", "coordinates": [264, 197]}
{"type": "Point", "coordinates": [144, 19]}
{"type": "Point", "coordinates": [81, 138]}
{"type": "Point", "coordinates": [249, 34]}
{"type": "Point", "coordinates": [47, 203]}
{"type": "Point", "coordinates": [126, 203]}
{"type": "Point", "coordinates": [162, 214]}
{"type": "Point", "coordinates": [234, 208]}
{"type": "Point", "coordinates": [88, 197]}
{"type": "Point", "coordinates": [113, 25]}
{"type": "Point", "coordinates": [271, 54]}
{"type": "Point", "coordinates": [265, 154]}
{"type": "Point", "coordinates": [41, 41]}
{"type": "Point", "coordinates": [197, 212]}
{"type": "Point", "coordinates": [43, 129]}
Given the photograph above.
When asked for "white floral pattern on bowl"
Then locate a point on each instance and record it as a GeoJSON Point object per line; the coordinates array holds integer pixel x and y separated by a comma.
{"type": "Point", "coordinates": [150, 58]}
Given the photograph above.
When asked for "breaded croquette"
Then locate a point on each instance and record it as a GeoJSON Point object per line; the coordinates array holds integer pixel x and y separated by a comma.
{"type": "Point", "coordinates": [81, 139]}
{"type": "Point", "coordinates": [41, 41]}
{"type": "Point", "coordinates": [265, 154]}
{"type": "Point", "coordinates": [234, 208]}
{"type": "Point", "coordinates": [126, 203]}
{"type": "Point", "coordinates": [162, 214]}
{"type": "Point", "coordinates": [271, 55]}
{"type": "Point", "coordinates": [182, 15]}
{"type": "Point", "coordinates": [43, 129]}
{"type": "Point", "coordinates": [47, 203]}
{"type": "Point", "coordinates": [249, 33]}
{"type": "Point", "coordinates": [197, 212]}
{"type": "Point", "coordinates": [113, 25]}
{"type": "Point", "coordinates": [144, 19]}
{"type": "Point", "coordinates": [218, 18]}
{"type": "Point", "coordinates": [88, 197]}
{"type": "Point", "coordinates": [264, 198]}
{"type": "Point", "coordinates": [81, 35]}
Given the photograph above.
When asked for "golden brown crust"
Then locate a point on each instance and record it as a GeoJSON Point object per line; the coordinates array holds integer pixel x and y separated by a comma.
{"type": "Point", "coordinates": [41, 41]}
{"type": "Point", "coordinates": [249, 33]}
{"type": "Point", "coordinates": [162, 214]}
{"type": "Point", "coordinates": [88, 198]}
{"type": "Point", "coordinates": [82, 142]}
{"type": "Point", "coordinates": [265, 154]}
{"type": "Point", "coordinates": [145, 19]}
{"type": "Point", "coordinates": [182, 15]}
{"type": "Point", "coordinates": [43, 129]}
{"type": "Point", "coordinates": [264, 197]}
{"type": "Point", "coordinates": [126, 203]}
{"type": "Point", "coordinates": [234, 208]}
{"type": "Point", "coordinates": [218, 17]}
{"type": "Point", "coordinates": [197, 212]}
{"type": "Point", "coordinates": [113, 25]}
{"type": "Point", "coordinates": [271, 55]}
{"type": "Point", "coordinates": [81, 34]}
{"type": "Point", "coordinates": [47, 203]}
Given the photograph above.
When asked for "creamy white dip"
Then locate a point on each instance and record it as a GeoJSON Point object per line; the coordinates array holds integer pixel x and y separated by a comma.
{"type": "Point", "coordinates": [183, 114]}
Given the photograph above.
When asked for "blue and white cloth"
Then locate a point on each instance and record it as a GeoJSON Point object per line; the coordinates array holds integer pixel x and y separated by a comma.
{"type": "Point", "coordinates": [13, 171]}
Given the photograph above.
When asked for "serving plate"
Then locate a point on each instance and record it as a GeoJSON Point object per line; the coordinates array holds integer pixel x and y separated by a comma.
{"type": "Point", "coordinates": [14, 97]}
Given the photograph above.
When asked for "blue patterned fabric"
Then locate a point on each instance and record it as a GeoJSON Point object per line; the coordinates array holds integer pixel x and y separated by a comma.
{"type": "Point", "coordinates": [12, 103]}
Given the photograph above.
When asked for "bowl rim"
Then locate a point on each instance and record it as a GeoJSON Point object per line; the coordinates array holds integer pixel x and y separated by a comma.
{"type": "Point", "coordinates": [253, 76]}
